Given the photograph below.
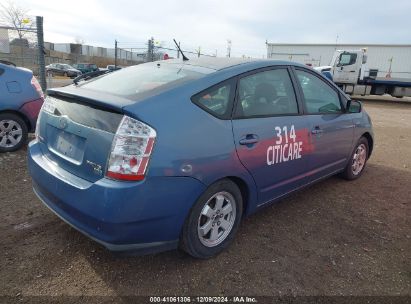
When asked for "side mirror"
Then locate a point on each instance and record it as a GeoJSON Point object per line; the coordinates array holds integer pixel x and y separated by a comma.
{"type": "Point", "coordinates": [354, 106]}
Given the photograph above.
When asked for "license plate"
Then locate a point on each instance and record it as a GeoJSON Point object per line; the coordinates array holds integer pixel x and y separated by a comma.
{"type": "Point", "coordinates": [69, 146]}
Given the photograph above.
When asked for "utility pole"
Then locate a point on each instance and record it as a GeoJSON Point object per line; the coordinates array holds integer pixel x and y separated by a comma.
{"type": "Point", "coordinates": [228, 48]}
{"type": "Point", "coordinates": [115, 54]}
{"type": "Point", "coordinates": [40, 43]}
{"type": "Point", "coordinates": [336, 41]}
{"type": "Point", "coordinates": [150, 50]}
{"type": "Point", "coordinates": [199, 51]}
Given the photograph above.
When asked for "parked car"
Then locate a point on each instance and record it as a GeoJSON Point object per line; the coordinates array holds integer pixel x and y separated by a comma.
{"type": "Point", "coordinates": [21, 98]}
{"type": "Point", "coordinates": [170, 154]}
{"type": "Point", "coordinates": [112, 67]}
{"type": "Point", "coordinates": [62, 69]}
{"type": "Point", "coordinates": [86, 67]}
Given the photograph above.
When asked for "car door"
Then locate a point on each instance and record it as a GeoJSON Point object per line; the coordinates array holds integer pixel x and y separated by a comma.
{"type": "Point", "coordinates": [332, 129]}
{"type": "Point", "coordinates": [59, 70]}
{"type": "Point", "coordinates": [269, 131]}
{"type": "Point", "coordinates": [53, 69]}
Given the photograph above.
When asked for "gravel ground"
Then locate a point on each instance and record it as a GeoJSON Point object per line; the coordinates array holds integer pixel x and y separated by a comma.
{"type": "Point", "coordinates": [334, 238]}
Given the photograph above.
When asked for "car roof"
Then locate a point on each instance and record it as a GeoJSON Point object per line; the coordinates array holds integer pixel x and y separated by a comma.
{"type": "Point", "coordinates": [220, 63]}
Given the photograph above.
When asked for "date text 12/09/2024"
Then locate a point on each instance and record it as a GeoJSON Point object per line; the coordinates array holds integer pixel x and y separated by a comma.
{"type": "Point", "coordinates": [203, 299]}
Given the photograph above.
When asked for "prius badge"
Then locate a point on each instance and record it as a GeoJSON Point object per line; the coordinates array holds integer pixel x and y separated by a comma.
{"type": "Point", "coordinates": [97, 169]}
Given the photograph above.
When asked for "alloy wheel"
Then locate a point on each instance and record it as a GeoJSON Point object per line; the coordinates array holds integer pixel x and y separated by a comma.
{"type": "Point", "coordinates": [216, 219]}
{"type": "Point", "coordinates": [359, 159]}
{"type": "Point", "coordinates": [11, 133]}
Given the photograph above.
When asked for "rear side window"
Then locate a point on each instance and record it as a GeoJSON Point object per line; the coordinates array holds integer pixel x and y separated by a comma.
{"type": "Point", "coordinates": [319, 97]}
{"type": "Point", "coordinates": [215, 100]}
{"type": "Point", "coordinates": [267, 93]}
{"type": "Point", "coordinates": [143, 80]}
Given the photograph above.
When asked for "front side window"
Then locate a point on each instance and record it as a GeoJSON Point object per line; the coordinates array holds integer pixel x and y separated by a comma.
{"type": "Point", "coordinates": [347, 59]}
{"type": "Point", "coordinates": [215, 100]}
{"type": "Point", "coordinates": [319, 96]}
{"type": "Point", "coordinates": [267, 93]}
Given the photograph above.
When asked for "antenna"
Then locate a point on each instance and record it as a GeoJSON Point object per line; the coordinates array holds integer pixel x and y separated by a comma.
{"type": "Point", "coordinates": [178, 47]}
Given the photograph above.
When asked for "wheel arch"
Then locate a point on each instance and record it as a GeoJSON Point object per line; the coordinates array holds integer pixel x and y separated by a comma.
{"type": "Point", "coordinates": [245, 192]}
{"type": "Point", "coordinates": [370, 140]}
{"type": "Point", "coordinates": [21, 115]}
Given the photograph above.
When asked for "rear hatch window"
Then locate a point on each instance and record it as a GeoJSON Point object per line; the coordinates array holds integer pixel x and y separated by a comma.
{"type": "Point", "coordinates": [146, 79]}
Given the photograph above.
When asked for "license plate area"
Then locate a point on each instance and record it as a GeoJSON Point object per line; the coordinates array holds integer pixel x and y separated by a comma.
{"type": "Point", "coordinates": [66, 145]}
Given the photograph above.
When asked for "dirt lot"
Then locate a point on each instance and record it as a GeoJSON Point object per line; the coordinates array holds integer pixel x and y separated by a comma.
{"type": "Point", "coordinates": [334, 238]}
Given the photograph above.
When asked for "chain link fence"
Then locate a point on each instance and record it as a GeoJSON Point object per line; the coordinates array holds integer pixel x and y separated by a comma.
{"type": "Point", "coordinates": [24, 46]}
{"type": "Point", "coordinates": [20, 46]}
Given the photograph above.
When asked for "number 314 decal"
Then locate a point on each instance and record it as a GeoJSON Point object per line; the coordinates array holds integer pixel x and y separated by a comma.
{"type": "Point", "coordinates": [286, 146]}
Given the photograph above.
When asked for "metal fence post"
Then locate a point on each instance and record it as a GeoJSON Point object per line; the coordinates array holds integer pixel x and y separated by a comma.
{"type": "Point", "coordinates": [150, 51]}
{"type": "Point", "coordinates": [40, 45]}
{"type": "Point", "coordinates": [115, 54]}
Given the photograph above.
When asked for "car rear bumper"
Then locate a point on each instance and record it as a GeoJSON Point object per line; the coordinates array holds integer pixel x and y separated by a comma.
{"type": "Point", "coordinates": [144, 216]}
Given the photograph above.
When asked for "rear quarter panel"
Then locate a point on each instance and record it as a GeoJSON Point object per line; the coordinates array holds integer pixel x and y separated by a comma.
{"type": "Point", "coordinates": [19, 79]}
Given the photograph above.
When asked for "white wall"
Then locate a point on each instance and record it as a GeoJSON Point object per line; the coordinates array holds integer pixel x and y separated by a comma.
{"type": "Point", "coordinates": [321, 54]}
{"type": "Point", "coordinates": [62, 47]}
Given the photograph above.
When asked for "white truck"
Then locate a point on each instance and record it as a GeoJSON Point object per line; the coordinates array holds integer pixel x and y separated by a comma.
{"type": "Point", "coordinates": [350, 72]}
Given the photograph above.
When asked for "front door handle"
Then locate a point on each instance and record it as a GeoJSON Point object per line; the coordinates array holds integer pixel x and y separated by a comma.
{"type": "Point", "coordinates": [317, 130]}
{"type": "Point", "coordinates": [249, 139]}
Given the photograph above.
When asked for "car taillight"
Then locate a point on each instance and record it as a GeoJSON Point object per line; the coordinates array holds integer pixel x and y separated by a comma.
{"type": "Point", "coordinates": [37, 86]}
{"type": "Point", "coordinates": [131, 150]}
{"type": "Point", "coordinates": [47, 106]}
{"type": "Point", "coordinates": [37, 131]}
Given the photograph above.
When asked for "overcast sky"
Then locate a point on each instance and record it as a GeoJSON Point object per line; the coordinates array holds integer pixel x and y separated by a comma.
{"type": "Point", "coordinates": [209, 23]}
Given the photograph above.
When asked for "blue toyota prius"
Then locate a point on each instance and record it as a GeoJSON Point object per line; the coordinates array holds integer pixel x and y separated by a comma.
{"type": "Point", "coordinates": [173, 154]}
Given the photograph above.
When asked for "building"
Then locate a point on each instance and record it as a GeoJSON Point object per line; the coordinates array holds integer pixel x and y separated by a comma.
{"type": "Point", "coordinates": [380, 56]}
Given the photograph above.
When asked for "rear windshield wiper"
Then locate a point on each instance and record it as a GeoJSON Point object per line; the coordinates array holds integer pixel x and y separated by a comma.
{"type": "Point", "coordinates": [89, 75]}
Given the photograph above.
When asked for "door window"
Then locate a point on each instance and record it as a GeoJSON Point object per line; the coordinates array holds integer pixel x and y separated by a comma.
{"type": "Point", "coordinates": [319, 96]}
{"type": "Point", "coordinates": [267, 93]}
{"type": "Point", "coordinates": [347, 59]}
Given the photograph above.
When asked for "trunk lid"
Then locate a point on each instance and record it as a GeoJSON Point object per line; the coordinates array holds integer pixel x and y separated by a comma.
{"type": "Point", "coordinates": [76, 133]}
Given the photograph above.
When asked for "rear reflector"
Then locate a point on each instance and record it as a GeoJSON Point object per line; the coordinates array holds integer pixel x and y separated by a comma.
{"type": "Point", "coordinates": [131, 150]}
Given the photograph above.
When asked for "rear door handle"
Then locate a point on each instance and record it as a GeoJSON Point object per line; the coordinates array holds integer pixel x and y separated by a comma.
{"type": "Point", "coordinates": [249, 139]}
{"type": "Point", "coordinates": [317, 130]}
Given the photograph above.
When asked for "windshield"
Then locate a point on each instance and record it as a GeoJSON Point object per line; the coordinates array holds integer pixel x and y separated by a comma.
{"type": "Point", "coordinates": [144, 78]}
{"type": "Point", "coordinates": [67, 66]}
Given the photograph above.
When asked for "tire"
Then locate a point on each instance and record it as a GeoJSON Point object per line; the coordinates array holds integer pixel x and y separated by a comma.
{"type": "Point", "coordinates": [205, 216]}
{"type": "Point", "coordinates": [359, 155]}
{"type": "Point", "coordinates": [13, 132]}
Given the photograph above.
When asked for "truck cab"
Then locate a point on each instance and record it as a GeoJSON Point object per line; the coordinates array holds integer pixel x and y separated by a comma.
{"type": "Point", "coordinates": [349, 66]}
{"type": "Point", "coordinates": [350, 72]}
